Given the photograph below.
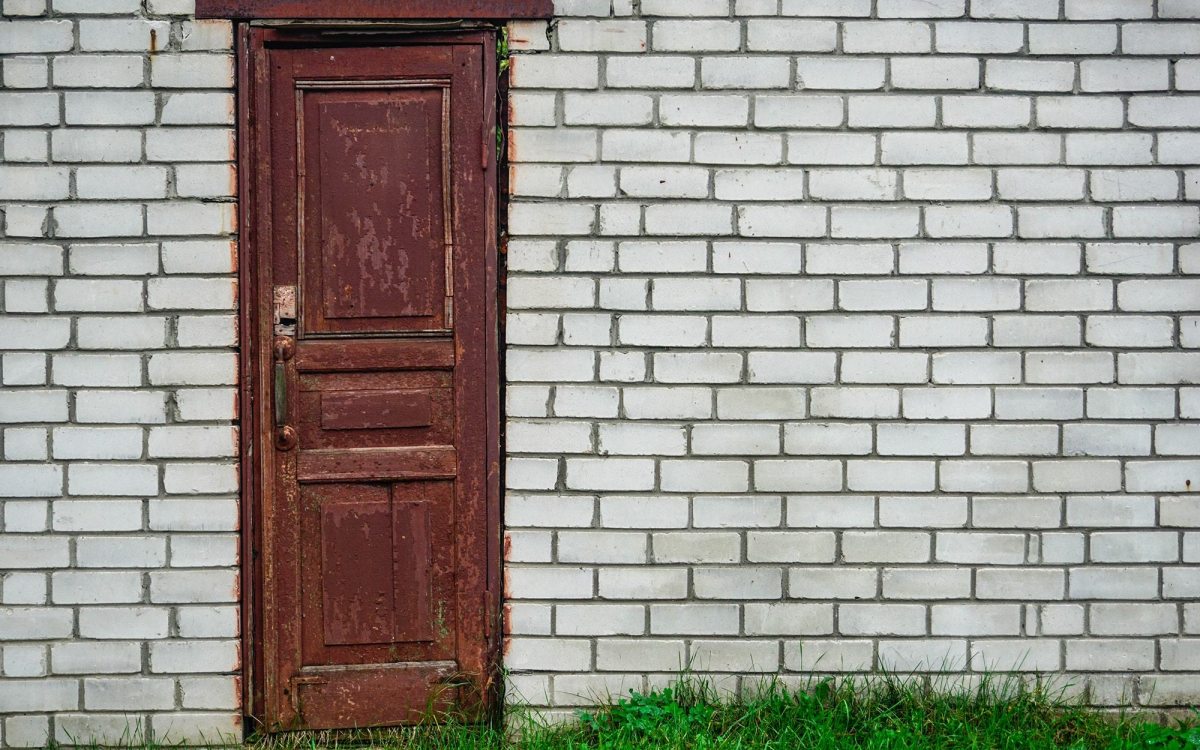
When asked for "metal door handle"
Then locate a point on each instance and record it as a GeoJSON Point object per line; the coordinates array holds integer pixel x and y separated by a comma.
{"type": "Point", "coordinates": [282, 417]}
{"type": "Point", "coordinates": [285, 434]}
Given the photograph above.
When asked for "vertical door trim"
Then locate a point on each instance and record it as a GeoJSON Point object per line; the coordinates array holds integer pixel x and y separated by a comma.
{"type": "Point", "coordinates": [254, 319]}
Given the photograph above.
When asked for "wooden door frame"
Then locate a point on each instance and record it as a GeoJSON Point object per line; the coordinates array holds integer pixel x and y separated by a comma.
{"type": "Point", "coordinates": [254, 317]}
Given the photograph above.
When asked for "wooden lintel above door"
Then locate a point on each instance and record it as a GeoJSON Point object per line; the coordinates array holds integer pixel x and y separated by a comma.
{"type": "Point", "coordinates": [361, 10]}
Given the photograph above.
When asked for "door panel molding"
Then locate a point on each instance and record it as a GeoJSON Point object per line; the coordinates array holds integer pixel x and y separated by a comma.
{"type": "Point", "coordinates": [384, 411]}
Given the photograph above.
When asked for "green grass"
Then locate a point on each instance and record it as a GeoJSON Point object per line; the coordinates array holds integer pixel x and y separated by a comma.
{"type": "Point", "coordinates": [889, 713]}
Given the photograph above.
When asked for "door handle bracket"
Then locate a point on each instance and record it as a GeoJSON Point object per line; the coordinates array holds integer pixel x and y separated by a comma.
{"type": "Point", "coordinates": [285, 435]}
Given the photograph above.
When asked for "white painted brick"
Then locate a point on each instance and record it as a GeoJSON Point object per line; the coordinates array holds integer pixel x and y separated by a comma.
{"type": "Point", "coordinates": [1073, 39]}
{"type": "Point", "coordinates": [755, 403]}
{"type": "Point", "coordinates": [610, 474]}
{"type": "Point", "coordinates": [1130, 258]}
{"type": "Point", "coordinates": [738, 583]}
{"type": "Point", "coordinates": [1029, 75]}
{"type": "Point", "coordinates": [779, 110]}
{"type": "Point", "coordinates": [781, 221]}
{"type": "Point", "coordinates": [97, 442]}
{"type": "Point", "coordinates": [984, 476]}
{"type": "Point", "coordinates": [894, 476]}
{"type": "Point", "coordinates": [1112, 583]}
{"type": "Point", "coordinates": [1076, 476]}
{"type": "Point", "coordinates": [856, 73]}
{"type": "Point", "coordinates": [987, 111]}
{"type": "Point", "coordinates": [792, 36]}
{"type": "Point", "coordinates": [98, 71]}
{"type": "Point", "coordinates": [1130, 403]}
{"type": "Point", "coordinates": [36, 36]}
{"type": "Point", "coordinates": [704, 476]}
{"type": "Point", "coordinates": [919, 512]}
{"type": "Point", "coordinates": [1147, 295]}
{"type": "Point", "coordinates": [798, 475]}
{"type": "Point", "coordinates": [23, 108]}
{"type": "Point", "coordinates": [1080, 112]}
{"type": "Point", "coordinates": [827, 438]}
{"type": "Point", "coordinates": [109, 108]}
{"type": "Point", "coordinates": [609, 36]}
{"type": "Point", "coordinates": [853, 402]}
{"type": "Point", "coordinates": [738, 148]}
{"type": "Point", "coordinates": [831, 148]}
{"type": "Point", "coordinates": [624, 72]}
{"type": "Point", "coordinates": [1108, 148]}
{"type": "Point", "coordinates": [106, 145]}
{"type": "Point", "coordinates": [1007, 512]}
{"type": "Point", "coordinates": [975, 547]}
{"type": "Point", "coordinates": [639, 512]}
{"type": "Point", "coordinates": [881, 619]}
{"type": "Point", "coordinates": [919, 583]}
{"type": "Point", "coordinates": [48, 695]}
{"type": "Point", "coordinates": [137, 407]}
{"type": "Point", "coordinates": [102, 370]}
{"type": "Point", "coordinates": [1022, 584]}
{"type": "Point", "coordinates": [749, 439]}
{"type": "Point", "coordinates": [1017, 148]}
{"type": "Point", "coordinates": [884, 367]}
{"type": "Point", "coordinates": [640, 654]}
{"type": "Point", "coordinates": [791, 367]}
{"type": "Point", "coordinates": [921, 440]}
{"type": "Point", "coordinates": [697, 36]}
{"type": "Point", "coordinates": [742, 72]}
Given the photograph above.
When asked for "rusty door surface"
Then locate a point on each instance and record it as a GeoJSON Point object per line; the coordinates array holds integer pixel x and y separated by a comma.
{"type": "Point", "coordinates": [373, 232]}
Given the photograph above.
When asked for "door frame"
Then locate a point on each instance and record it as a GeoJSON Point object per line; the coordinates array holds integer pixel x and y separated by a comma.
{"type": "Point", "coordinates": [256, 449]}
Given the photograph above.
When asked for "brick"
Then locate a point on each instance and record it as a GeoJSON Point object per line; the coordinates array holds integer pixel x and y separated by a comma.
{"type": "Point", "coordinates": [610, 36]}
{"type": "Point", "coordinates": [1107, 148]}
{"type": "Point", "coordinates": [978, 37]}
{"type": "Point", "coordinates": [1080, 112]}
{"type": "Point", "coordinates": [643, 583]}
{"type": "Point", "coordinates": [1123, 75]}
{"type": "Point", "coordinates": [638, 512]}
{"type": "Point", "coordinates": [98, 144]}
{"type": "Point", "coordinates": [881, 619]}
{"type": "Point", "coordinates": [109, 108]}
{"type": "Point", "coordinates": [621, 72]}
{"type": "Point", "coordinates": [1030, 75]}
{"type": "Point", "coordinates": [828, 438]}
{"type": "Point", "coordinates": [738, 148]}
{"type": "Point", "coordinates": [839, 73]}
{"type": "Point", "coordinates": [740, 72]}
{"type": "Point", "coordinates": [44, 695]}
{"type": "Point", "coordinates": [886, 36]}
{"type": "Point", "coordinates": [1073, 39]}
{"type": "Point", "coordinates": [975, 619]}
{"type": "Point", "coordinates": [34, 183]}
{"type": "Point", "coordinates": [1160, 39]}
{"type": "Point", "coordinates": [98, 71]}
{"type": "Point", "coordinates": [26, 108]}
{"type": "Point", "coordinates": [36, 36]}
{"type": "Point", "coordinates": [192, 71]}
{"type": "Point", "coordinates": [697, 36]}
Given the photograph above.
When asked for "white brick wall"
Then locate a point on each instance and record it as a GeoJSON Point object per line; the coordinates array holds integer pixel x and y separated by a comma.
{"type": "Point", "coordinates": [841, 335]}
{"type": "Point", "coordinates": [849, 335]}
{"type": "Point", "coordinates": [118, 551]}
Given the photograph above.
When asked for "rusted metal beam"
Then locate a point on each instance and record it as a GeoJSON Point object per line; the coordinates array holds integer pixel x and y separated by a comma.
{"type": "Point", "coordinates": [373, 9]}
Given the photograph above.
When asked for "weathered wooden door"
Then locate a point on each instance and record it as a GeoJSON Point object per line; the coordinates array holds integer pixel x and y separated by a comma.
{"type": "Point", "coordinates": [374, 277]}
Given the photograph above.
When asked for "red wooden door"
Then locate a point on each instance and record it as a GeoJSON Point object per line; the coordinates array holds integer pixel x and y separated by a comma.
{"type": "Point", "coordinates": [374, 276]}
